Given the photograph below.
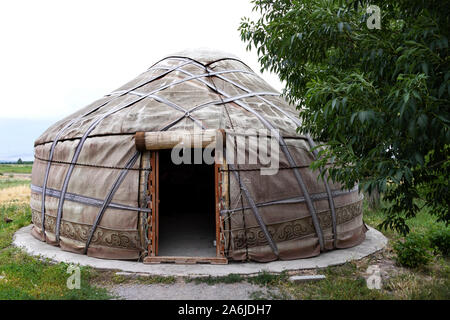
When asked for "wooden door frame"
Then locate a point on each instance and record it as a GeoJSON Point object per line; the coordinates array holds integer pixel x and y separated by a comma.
{"type": "Point", "coordinates": [221, 189]}
{"type": "Point", "coordinates": [153, 187]}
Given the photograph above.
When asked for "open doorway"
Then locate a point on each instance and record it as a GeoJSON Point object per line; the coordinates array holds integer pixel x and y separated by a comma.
{"type": "Point", "coordinates": [187, 213]}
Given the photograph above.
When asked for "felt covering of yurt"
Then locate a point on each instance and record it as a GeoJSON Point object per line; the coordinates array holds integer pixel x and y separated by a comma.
{"type": "Point", "coordinates": [87, 194]}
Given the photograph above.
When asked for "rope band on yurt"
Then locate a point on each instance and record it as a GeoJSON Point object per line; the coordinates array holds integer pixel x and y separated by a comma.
{"type": "Point", "coordinates": [243, 217]}
{"type": "Point", "coordinates": [329, 193]}
{"type": "Point", "coordinates": [78, 164]}
{"type": "Point", "coordinates": [47, 170]}
{"type": "Point", "coordinates": [238, 173]}
{"type": "Point", "coordinates": [109, 197]}
{"type": "Point", "coordinates": [260, 221]}
{"type": "Point", "coordinates": [85, 200]}
{"type": "Point", "coordinates": [231, 99]}
{"type": "Point", "coordinates": [70, 123]}
{"type": "Point", "coordinates": [315, 197]}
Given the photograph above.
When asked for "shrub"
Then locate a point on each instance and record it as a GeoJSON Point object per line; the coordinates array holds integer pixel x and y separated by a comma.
{"type": "Point", "coordinates": [440, 240]}
{"type": "Point", "coordinates": [413, 251]}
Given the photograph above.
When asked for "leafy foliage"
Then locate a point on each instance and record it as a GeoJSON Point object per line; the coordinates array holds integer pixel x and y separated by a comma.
{"type": "Point", "coordinates": [15, 168]}
{"type": "Point", "coordinates": [413, 251]}
{"type": "Point", "coordinates": [440, 240]}
{"type": "Point", "coordinates": [377, 99]}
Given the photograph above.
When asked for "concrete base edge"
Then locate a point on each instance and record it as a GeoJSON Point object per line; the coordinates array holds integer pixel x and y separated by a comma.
{"type": "Point", "coordinates": [374, 242]}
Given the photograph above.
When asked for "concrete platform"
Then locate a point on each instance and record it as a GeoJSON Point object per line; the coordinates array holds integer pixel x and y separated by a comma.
{"type": "Point", "coordinates": [374, 241]}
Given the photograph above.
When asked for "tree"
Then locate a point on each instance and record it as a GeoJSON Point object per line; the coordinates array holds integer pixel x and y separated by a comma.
{"type": "Point", "coordinates": [378, 99]}
{"type": "Point", "coordinates": [20, 161]}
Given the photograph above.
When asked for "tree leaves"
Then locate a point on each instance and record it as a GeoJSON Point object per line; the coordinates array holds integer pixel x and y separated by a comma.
{"type": "Point", "coordinates": [380, 99]}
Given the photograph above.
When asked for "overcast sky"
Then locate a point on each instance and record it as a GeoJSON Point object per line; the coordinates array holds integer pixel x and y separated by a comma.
{"type": "Point", "coordinates": [58, 56]}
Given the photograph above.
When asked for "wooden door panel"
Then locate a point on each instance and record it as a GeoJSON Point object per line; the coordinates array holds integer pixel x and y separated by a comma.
{"type": "Point", "coordinates": [153, 187]}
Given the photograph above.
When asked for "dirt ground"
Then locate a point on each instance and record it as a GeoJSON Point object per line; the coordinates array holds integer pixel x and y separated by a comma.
{"type": "Point", "coordinates": [188, 291]}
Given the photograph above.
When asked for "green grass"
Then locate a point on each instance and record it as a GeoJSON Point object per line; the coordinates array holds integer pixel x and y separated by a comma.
{"type": "Point", "coordinates": [231, 278]}
{"type": "Point", "coordinates": [422, 223]}
{"type": "Point", "coordinates": [21, 216]}
{"type": "Point", "coordinates": [8, 183]}
{"type": "Point", "coordinates": [413, 286]}
{"type": "Point", "coordinates": [343, 282]}
{"type": "Point", "coordinates": [120, 279]}
{"type": "Point", "coordinates": [15, 168]}
{"type": "Point", "coordinates": [266, 279]}
{"type": "Point", "coordinates": [26, 277]}
{"type": "Point", "coordinates": [262, 279]}
{"type": "Point", "coordinates": [335, 288]}
{"type": "Point", "coordinates": [346, 282]}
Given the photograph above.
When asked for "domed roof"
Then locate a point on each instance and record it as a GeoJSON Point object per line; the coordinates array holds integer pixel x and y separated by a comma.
{"type": "Point", "coordinates": [204, 55]}
{"type": "Point", "coordinates": [182, 90]}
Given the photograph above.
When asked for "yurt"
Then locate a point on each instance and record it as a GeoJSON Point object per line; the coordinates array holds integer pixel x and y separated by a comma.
{"type": "Point", "coordinates": [105, 182]}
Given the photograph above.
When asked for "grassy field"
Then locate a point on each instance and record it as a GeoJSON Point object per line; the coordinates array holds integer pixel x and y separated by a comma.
{"type": "Point", "coordinates": [15, 168]}
{"type": "Point", "coordinates": [11, 182]}
{"type": "Point", "coordinates": [25, 277]}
